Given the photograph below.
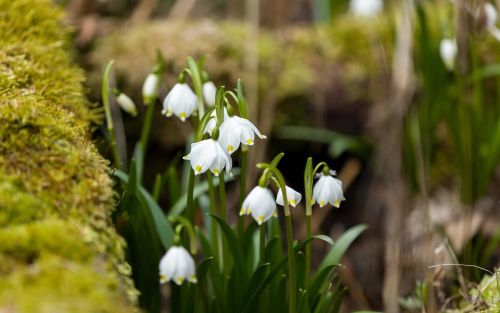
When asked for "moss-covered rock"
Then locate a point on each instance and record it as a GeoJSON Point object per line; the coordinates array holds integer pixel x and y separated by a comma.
{"type": "Point", "coordinates": [58, 250]}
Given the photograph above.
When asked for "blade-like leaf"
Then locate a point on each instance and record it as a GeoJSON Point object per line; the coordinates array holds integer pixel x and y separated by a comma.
{"type": "Point", "coordinates": [338, 250]}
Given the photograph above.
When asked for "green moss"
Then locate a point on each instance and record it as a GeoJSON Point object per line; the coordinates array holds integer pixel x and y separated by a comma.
{"type": "Point", "coordinates": [58, 250]}
{"type": "Point", "coordinates": [294, 61]}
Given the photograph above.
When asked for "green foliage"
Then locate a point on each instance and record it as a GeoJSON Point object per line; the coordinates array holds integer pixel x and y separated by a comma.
{"type": "Point", "coordinates": [57, 242]}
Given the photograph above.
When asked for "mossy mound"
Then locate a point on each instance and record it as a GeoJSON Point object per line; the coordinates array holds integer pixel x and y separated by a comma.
{"type": "Point", "coordinates": [295, 61]}
{"type": "Point", "coordinates": [58, 251]}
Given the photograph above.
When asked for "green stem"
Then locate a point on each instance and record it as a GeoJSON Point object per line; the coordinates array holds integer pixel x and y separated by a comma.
{"type": "Point", "coordinates": [292, 282]}
{"type": "Point", "coordinates": [262, 241]}
{"type": "Point", "coordinates": [146, 128]}
{"type": "Point", "coordinates": [213, 210]}
{"type": "Point", "coordinates": [291, 260]}
{"type": "Point", "coordinates": [308, 247]}
{"type": "Point", "coordinates": [109, 117]}
{"type": "Point", "coordinates": [189, 203]}
{"type": "Point", "coordinates": [243, 177]}
{"type": "Point", "coordinates": [223, 215]}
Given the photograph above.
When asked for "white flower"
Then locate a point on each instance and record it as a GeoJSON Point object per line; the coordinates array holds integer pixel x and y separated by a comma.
{"type": "Point", "coordinates": [177, 265]}
{"type": "Point", "coordinates": [260, 204]}
{"type": "Point", "coordinates": [448, 52]}
{"type": "Point", "coordinates": [209, 91]}
{"type": "Point", "coordinates": [366, 8]}
{"type": "Point", "coordinates": [292, 196]}
{"type": "Point", "coordinates": [213, 122]}
{"type": "Point", "coordinates": [126, 104]}
{"type": "Point", "coordinates": [328, 189]}
{"type": "Point", "coordinates": [208, 155]}
{"type": "Point", "coordinates": [150, 87]}
{"type": "Point", "coordinates": [235, 130]}
{"type": "Point", "coordinates": [180, 101]}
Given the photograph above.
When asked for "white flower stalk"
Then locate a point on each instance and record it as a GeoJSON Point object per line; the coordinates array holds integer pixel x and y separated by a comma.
{"type": "Point", "coordinates": [208, 155]}
{"type": "Point", "coordinates": [235, 130]}
{"type": "Point", "coordinates": [328, 189]}
{"type": "Point", "coordinates": [260, 204]}
{"type": "Point", "coordinates": [491, 15]}
{"type": "Point", "coordinates": [151, 87]}
{"type": "Point", "coordinates": [292, 196]}
{"type": "Point", "coordinates": [209, 128]}
{"type": "Point", "coordinates": [181, 101]}
{"type": "Point", "coordinates": [491, 18]}
{"type": "Point", "coordinates": [366, 8]}
{"type": "Point", "coordinates": [209, 91]}
{"type": "Point", "coordinates": [448, 51]}
{"type": "Point", "coordinates": [177, 265]}
{"type": "Point", "coordinates": [127, 104]}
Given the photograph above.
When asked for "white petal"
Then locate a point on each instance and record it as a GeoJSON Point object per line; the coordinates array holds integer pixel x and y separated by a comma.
{"type": "Point", "coordinates": [491, 15]}
{"type": "Point", "coordinates": [126, 104]}
{"type": "Point", "coordinates": [293, 197]}
{"type": "Point", "coordinates": [220, 160]}
{"type": "Point", "coordinates": [181, 101]}
{"type": "Point", "coordinates": [261, 204]}
{"type": "Point", "coordinates": [150, 86]}
{"type": "Point", "coordinates": [209, 91]}
{"type": "Point", "coordinates": [448, 52]}
{"type": "Point", "coordinates": [229, 135]}
{"type": "Point", "coordinates": [209, 128]}
{"type": "Point", "coordinates": [249, 125]}
{"type": "Point", "coordinates": [318, 191]}
{"type": "Point", "coordinates": [366, 8]}
{"type": "Point", "coordinates": [202, 155]}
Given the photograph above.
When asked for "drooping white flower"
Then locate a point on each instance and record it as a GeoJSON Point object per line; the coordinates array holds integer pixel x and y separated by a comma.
{"type": "Point", "coordinates": [127, 104]}
{"type": "Point", "coordinates": [177, 265]}
{"type": "Point", "coordinates": [366, 8]}
{"type": "Point", "coordinates": [292, 196]}
{"type": "Point", "coordinates": [181, 101]}
{"type": "Point", "coordinates": [209, 91]}
{"type": "Point", "coordinates": [208, 155]}
{"type": "Point", "coordinates": [235, 130]}
{"type": "Point", "coordinates": [448, 51]}
{"type": "Point", "coordinates": [150, 87]}
{"type": "Point", "coordinates": [260, 204]}
{"type": "Point", "coordinates": [328, 189]}
{"type": "Point", "coordinates": [213, 122]}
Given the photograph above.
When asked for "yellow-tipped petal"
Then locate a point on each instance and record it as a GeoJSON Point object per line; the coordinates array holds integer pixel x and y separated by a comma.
{"type": "Point", "coordinates": [336, 203]}
{"type": "Point", "coordinates": [260, 219]}
{"type": "Point", "coordinates": [179, 280]}
{"type": "Point", "coordinates": [312, 201]}
{"type": "Point", "coordinates": [163, 279]}
{"type": "Point", "coordinates": [293, 202]}
{"type": "Point", "coordinates": [230, 148]}
{"type": "Point", "coordinates": [197, 169]}
{"type": "Point", "coordinates": [249, 211]}
{"type": "Point", "coordinates": [216, 172]}
{"type": "Point", "coordinates": [242, 211]}
{"type": "Point", "coordinates": [249, 142]}
{"type": "Point", "coordinates": [169, 113]}
{"type": "Point", "coordinates": [183, 115]}
{"type": "Point", "coordinates": [193, 279]}
{"type": "Point", "coordinates": [321, 203]}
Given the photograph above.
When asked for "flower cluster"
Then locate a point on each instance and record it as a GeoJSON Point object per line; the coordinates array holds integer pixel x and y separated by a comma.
{"type": "Point", "coordinates": [261, 204]}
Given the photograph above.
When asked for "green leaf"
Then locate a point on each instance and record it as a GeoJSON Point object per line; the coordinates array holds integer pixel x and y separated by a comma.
{"type": "Point", "coordinates": [333, 257]}
{"type": "Point", "coordinates": [303, 303]}
{"type": "Point", "coordinates": [272, 274]}
{"type": "Point", "coordinates": [300, 268]}
{"type": "Point", "coordinates": [234, 246]}
{"type": "Point", "coordinates": [162, 226]}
